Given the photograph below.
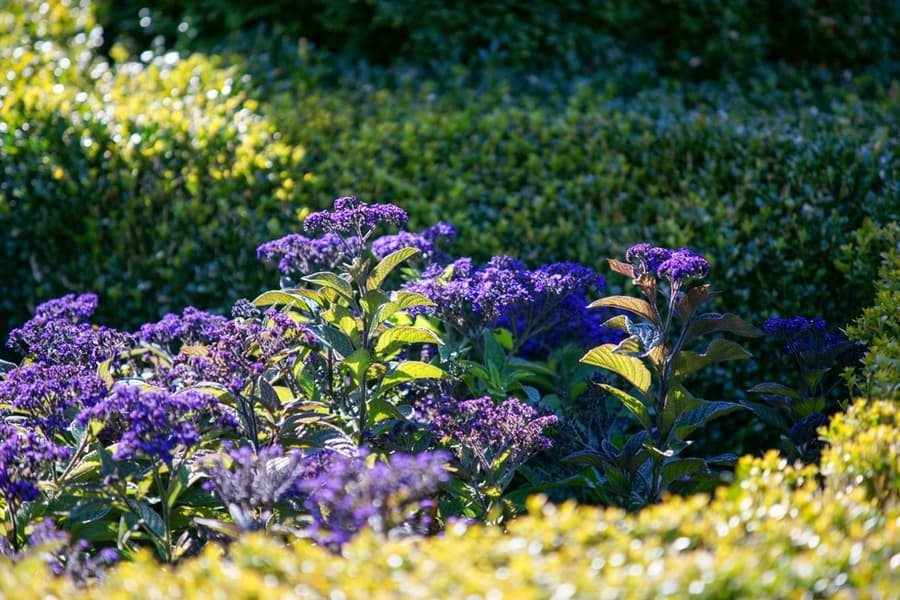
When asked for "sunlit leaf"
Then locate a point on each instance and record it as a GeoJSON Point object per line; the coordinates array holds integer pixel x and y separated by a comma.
{"type": "Point", "coordinates": [388, 264]}
{"type": "Point", "coordinates": [409, 371]}
{"type": "Point", "coordinates": [636, 306]}
{"type": "Point", "coordinates": [331, 281]}
{"type": "Point", "coordinates": [405, 335]}
{"type": "Point", "coordinates": [629, 367]}
{"type": "Point", "coordinates": [638, 408]}
{"type": "Point", "coordinates": [621, 268]}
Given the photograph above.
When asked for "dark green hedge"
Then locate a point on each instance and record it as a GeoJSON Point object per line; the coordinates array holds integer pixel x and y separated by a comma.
{"type": "Point", "coordinates": [697, 38]}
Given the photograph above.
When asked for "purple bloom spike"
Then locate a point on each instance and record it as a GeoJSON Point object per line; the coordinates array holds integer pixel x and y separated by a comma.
{"type": "Point", "coordinates": [352, 217]}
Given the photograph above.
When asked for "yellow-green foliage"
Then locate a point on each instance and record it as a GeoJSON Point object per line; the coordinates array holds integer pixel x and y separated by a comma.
{"type": "Point", "coordinates": [150, 182]}
{"type": "Point", "coordinates": [776, 532]}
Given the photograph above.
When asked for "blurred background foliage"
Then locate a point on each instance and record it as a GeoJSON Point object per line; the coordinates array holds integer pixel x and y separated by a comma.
{"type": "Point", "coordinates": [147, 147]}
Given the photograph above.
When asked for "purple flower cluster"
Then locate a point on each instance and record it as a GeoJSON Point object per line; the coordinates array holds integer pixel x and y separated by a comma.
{"type": "Point", "coordinates": [804, 336]}
{"type": "Point", "coordinates": [49, 397]}
{"type": "Point", "coordinates": [677, 266]}
{"type": "Point", "coordinates": [548, 302]}
{"type": "Point", "coordinates": [350, 494]}
{"type": "Point", "coordinates": [243, 350]}
{"type": "Point", "coordinates": [70, 559]}
{"type": "Point", "coordinates": [156, 423]}
{"type": "Point", "coordinates": [57, 335]}
{"type": "Point", "coordinates": [426, 241]}
{"type": "Point", "coordinates": [24, 456]}
{"type": "Point", "coordinates": [192, 327]}
{"type": "Point", "coordinates": [492, 431]}
{"type": "Point", "coordinates": [250, 484]}
{"type": "Point", "coordinates": [298, 255]}
{"type": "Point", "coordinates": [352, 217]}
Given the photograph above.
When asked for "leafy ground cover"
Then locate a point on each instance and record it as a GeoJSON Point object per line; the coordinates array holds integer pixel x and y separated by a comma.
{"type": "Point", "coordinates": [483, 333]}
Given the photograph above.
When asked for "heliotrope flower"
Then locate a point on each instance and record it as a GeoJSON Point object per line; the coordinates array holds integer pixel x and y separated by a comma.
{"type": "Point", "coordinates": [156, 423]}
{"type": "Point", "coordinates": [352, 217]}
{"type": "Point", "coordinates": [426, 241]}
{"type": "Point", "coordinates": [682, 265]}
{"type": "Point", "coordinates": [192, 327]}
{"type": "Point", "coordinates": [349, 494]}
{"type": "Point", "coordinates": [25, 457]}
{"type": "Point", "coordinates": [298, 255]}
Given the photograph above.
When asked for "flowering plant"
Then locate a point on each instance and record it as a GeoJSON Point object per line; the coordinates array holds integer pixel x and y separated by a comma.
{"type": "Point", "coordinates": [655, 361]}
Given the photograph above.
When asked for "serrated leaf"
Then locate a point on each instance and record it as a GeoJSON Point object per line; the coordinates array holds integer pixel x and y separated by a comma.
{"type": "Point", "coordinates": [719, 350]}
{"type": "Point", "coordinates": [693, 419]}
{"type": "Point", "coordinates": [777, 389]}
{"type": "Point", "coordinates": [715, 322]}
{"type": "Point", "coordinates": [405, 335]}
{"type": "Point", "coordinates": [629, 367]}
{"type": "Point", "coordinates": [622, 268]}
{"type": "Point", "coordinates": [637, 408]}
{"type": "Point", "coordinates": [635, 306]}
{"type": "Point", "coordinates": [388, 264]}
{"type": "Point", "coordinates": [673, 470]}
{"type": "Point", "coordinates": [329, 280]}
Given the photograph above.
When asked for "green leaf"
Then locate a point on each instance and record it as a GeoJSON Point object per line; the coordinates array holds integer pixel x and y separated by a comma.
{"type": "Point", "coordinates": [629, 367]}
{"type": "Point", "coordinates": [698, 417]}
{"type": "Point", "coordinates": [388, 264]}
{"type": "Point", "coordinates": [331, 281]}
{"type": "Point", "coordinates": [405, 335]}
{"type": "Point", "coordinates": [86, 511]}
{"type": "Point", "coordinates": [177, 485]}
{"type": "Point", "coordinates": [719, 350]}
{"type": "Point", "coordinates": [150, 519]}
{"type": "Point", "coordinates": [715, 322]}
{"type": "Point", "coordinates": [358, 363]}
{"type": "Point", "coordinates": [410, 370]}
{"type": "Point", "coordinates": [620, 323]}
{"type": "Point", "coordinates": [333, 338]}
{"type": "Point", "coordinates": [380, 409]}
{"type": "Point", "coordinates": [636, 306]}
{"type": "Point", "coordinates": [678, 402]}
{"type": "Point", "coordinates": [638, 408]}
{"type": "Point", "coordinates": [678, 468]}
{"type": "Point", "coordinates": [586, 457]}
{"type": "Point", "coordinates": [274, 298]}
{"type": "Point", "coordinates": [777, 389]}
{"type": "Point", "coordinates": [372, 301]}
{"type": "Point", "coordinates": [268, 397]}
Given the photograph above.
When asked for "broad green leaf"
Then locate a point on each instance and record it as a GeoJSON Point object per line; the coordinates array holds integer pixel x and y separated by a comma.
{"type": "Point", "coordinates": [636, 306]}
{"type": "Point", "coordinates": [620, 323]}
{"type": "Point", "coordinates": [268, 397]}
{"type": "Point", "coordinates": [388, 264]}
{"type": "Point", "coordinates": [630, 346]}
{"type": "Point", "coordinates": [406, 299]}
{"type": "Point", "coordinates": [177, 485]}
{"type": "Point", "coordinates": [405, 335]}
{"type": "Point", "coordinates": [675, 469]}
{"type": "Point", "coordinates": [813, 377]}
{"type": "Point", "coordinates": [586, 457]}
{"type": "Point", "coordinates": [621, 268]}
{"type": "Point", "coordinates": [638, 408]}
{"type": "Point", "coordinates": [410, 370]}
{"type": "Point", "coordinates": [777, 389]}
{"type": "Point", "coordinates": [274, 298]}
{"type": "Point", "coordinates": [719, 350]}
{"type": "Point", "coordinates": [678, 402]}
{"type": "Point", "coordinates": [804, 408]}
{"type": "Point", "coordinates": [331, 281]}
{"type": "Point", "coordinates": [693, 419]}
{"type": "Point", "coordinates": [372, 301]}
{"type": "Point", "coordinates": [379, 410]}
{"type": "Point", "coordinates": [333, 338]}
{"type": "Point", "coordinates": [771, 415]}
{"type": "Point", "coordinates": [150, 519]}
{"type": "Point", "coordinates": [715, 322]}
{"type": "Point", "coordinates": [629, 367]}
{"type": "Point", "coordinates": [86, 511]}
{"type": "Point", "coordinates": [358, 363]}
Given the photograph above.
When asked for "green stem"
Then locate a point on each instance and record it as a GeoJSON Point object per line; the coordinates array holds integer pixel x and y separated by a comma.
{"type": "Point", "coordinates": [164, 493]}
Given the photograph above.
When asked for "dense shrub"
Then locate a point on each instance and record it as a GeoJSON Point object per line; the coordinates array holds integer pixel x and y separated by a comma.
{"type": "Point", "coordinates": [151, 182]}
{"type": "Point", "coordinates": [775, 532]}
{"type": "Point", "coordinates": [696, 38]}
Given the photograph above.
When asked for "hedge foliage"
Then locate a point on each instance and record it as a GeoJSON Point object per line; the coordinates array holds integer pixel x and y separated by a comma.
{"type": "Point", "coordinates": [695, 38]}
{"type": "Point", "coordinates": [150, 182]}
{"type": "Point", "coordinates": [775, 532]}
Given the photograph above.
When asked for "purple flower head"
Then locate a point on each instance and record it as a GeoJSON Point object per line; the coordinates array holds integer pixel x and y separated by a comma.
{"type": "Point", "coordinates": [49, 397]}
{"type": "Point", "coordinates": [56, 334]}
{"type": "Point", "coordinates": [811, 343]}
{"type": "Point", "coordinates": [496, 436]}
{"type": "Point", "coordinates": [298, 255]}
{"type": "Point", "coordinates": [25, 456]}
{"type": "Point", "coordinates": [352, 217]}
{"type": "Point", "coordinates": [682, 265]}
{"type": "Point", "coordinates": [250, 484]}
{"type": "Point", "coordinates": [646, 258]}
{"type": "Point", "coordinates": [156, 423]}
{"type": "Point", "coordinates": [350, 495]}
{"type": "Point", "coordinates": [427, 242]}
{"type": "Point", "coordinates": [192, 327]}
